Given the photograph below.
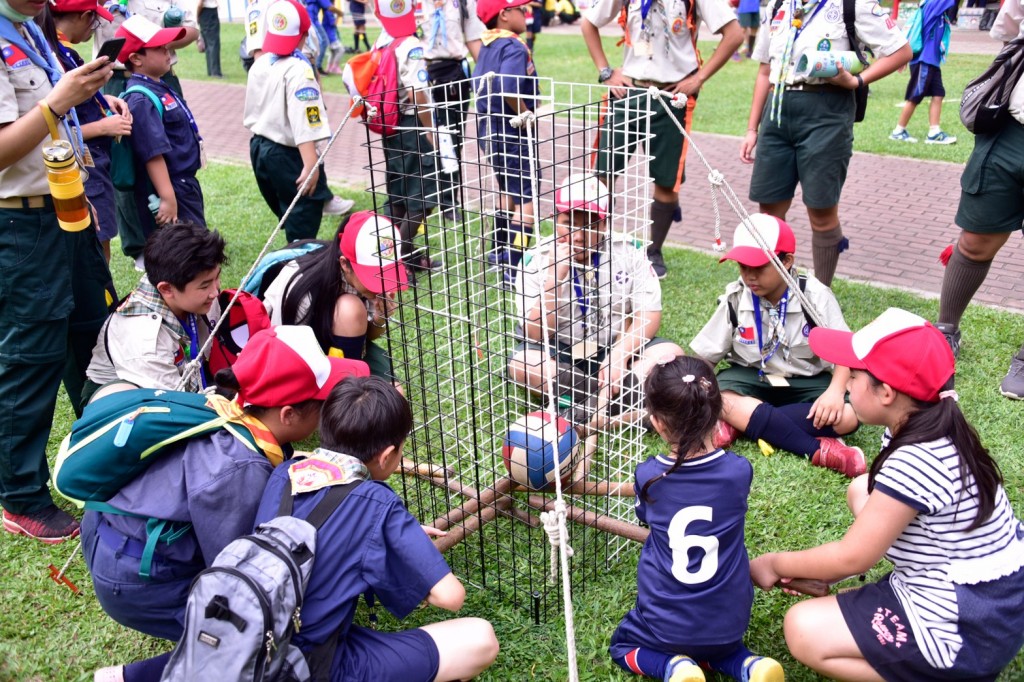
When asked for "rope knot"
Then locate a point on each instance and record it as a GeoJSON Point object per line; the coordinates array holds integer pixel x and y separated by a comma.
{"type": "Point", "coordinates": [558, 534]}
{"type": "Point", "coordinates": [716, 178]}
{"type": "Point", "coordinates": [679, 100]}
{"type": "Point", "coordinates": [523, 120]}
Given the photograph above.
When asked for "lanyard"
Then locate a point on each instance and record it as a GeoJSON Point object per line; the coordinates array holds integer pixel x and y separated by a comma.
{"type": "Point", "coordinates": [180, 102]}
{"type": "Point", "coordinates": [193, 342]}
{"type": "Point", "coordinates": [797, 12]}
{"type": "Point", "coordinates": [783, 304]}
{"type": "Point", "coordinates": [584, 301]}
{"type": "Point", "coordinates": [645, 9]}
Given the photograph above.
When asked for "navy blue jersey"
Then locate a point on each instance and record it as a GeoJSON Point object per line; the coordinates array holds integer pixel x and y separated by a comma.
{"type": "Point", "coordinates": [172, 135]}
{"type": "Point", "coordinates": [693, 578]}
{"type": "Point", "coordinates": [512, 64]}
{"type": "Point", "coordinates": [371, 543]}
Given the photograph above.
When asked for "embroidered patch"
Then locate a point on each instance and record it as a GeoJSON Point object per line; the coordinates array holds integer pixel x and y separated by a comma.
{"type": "Point", "coordinates": [307, 94]}
{"type": "Point", "coordinates": [745, 335]}
{"type": "Point", "coordinates": [308, 74]}
{"type": "Point", "coordinates": [167, 99]}
{"type": "Point", "coordinates": [254, 15]}
{"type": "Point", "coordinates": [888, 628]}
{"type": "Point", "coordinates": [312, 474]}
{"type": "Point", "coordinates": [832, 16]}
{"type": "Point", "coordinates": [279, 21]}
{"type": "Point", "coordinates": [387, 249]}
{"type": "Point", "coordinates": [14, 58]}
{"type": "Point", "coordinates": [416, 53]}
{"type": "Point", "coordinates": [397, 6]}
{"type": "Point", "coordinates": [878, 10]}
{"type": "Point", "coordinates": [678, 25]}
{"type": "Point", "coordinates": [807, 330]}
{"type": "Point", "coordinates": [530, 68]}
{"type": "Point", "coordinates": [253, 28]}
{"type": "Point", "coordinates": [422, 75]}
{"type": "Point", "coordinates": [824, 45]}
{"type": "Point", "coordinates": [622, 277]}
{"type": "Point", "coordinates": [313, 116]}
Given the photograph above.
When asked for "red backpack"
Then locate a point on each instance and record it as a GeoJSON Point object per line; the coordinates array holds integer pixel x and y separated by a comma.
{"type": "Point", "coordinates": [373, 76]}
{"type": "Point", "coordinates": [246, 317]}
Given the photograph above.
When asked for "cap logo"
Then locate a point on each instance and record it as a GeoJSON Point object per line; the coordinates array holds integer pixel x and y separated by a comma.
{"type": "Point", "coordinates": [398, 6]}
{"type": "Point", "coordinates": [387, 249]}
{"type": "Point", "coordinates": [279, 22]}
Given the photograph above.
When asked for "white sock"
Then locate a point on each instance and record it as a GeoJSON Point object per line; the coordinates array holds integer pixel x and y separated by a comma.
{"type": "Point", "coordinates": [934, 130]}
{"type": "Point", "coordinates": [898, 129]}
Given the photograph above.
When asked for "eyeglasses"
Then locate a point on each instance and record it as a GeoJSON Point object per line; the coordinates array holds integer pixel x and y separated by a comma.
{"type": "Point", "coordinates": [95, 23]}
{"type": "Point", "coordinates": [520, 8]}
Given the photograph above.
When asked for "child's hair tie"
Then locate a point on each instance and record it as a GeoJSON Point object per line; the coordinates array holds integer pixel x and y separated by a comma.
{"type": "Point", "coordinates": [706, 384]}
{"type": "Point", "coordinates": [949, 394]}
{"type": "Point", "coordinates": [688, 378]}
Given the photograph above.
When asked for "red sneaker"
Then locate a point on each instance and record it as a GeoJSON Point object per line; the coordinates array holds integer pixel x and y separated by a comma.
{"type": "Point", "coordinates": [50, 525]}
{"type": "Point", "coordinates": [725, 434]}
{"type": "Point", "coordinates": [834, 454]}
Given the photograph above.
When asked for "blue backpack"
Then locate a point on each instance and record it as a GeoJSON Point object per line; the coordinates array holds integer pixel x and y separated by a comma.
{"type": "Point", "coordinates": [122, 161]}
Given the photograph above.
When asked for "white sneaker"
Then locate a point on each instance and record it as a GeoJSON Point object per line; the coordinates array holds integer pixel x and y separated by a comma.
{"type": "Point", "coordinates": [338, 206]}
{"type": "Point", "coordinates": [902, 136]}
{"type": "Point", "coordinates": [940, 138]}
{"type": "Point", "coordinates": [140, 263]}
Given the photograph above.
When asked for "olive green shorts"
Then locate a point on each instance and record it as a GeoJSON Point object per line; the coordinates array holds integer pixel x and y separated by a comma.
{"type": "Point", "coordinates": [992, 185]}
{"type": "Point", "coordinates": [745, 381]}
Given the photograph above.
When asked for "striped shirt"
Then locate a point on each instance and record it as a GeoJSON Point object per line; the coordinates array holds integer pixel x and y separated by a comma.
{"type": "Point", "coordinates": [936, 552]}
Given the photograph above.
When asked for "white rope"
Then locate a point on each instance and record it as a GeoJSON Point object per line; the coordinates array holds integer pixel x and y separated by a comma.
{"type": "Point", "coordinates": [193, 367]}
{"type": "Point", "coordinates": [558, 535]}
{"type": "Point", "coordinates": [737, 206]}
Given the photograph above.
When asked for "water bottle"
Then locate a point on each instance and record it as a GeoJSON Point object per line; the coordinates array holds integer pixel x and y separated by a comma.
{"type": "Point", "coordinates": [173, 17]}
{"type": "Point", "coordinates": [67, 186]}
{"type": "Point", "coordinates": [153, 201]}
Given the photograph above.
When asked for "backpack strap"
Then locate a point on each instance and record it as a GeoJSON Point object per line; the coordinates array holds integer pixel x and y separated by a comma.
{"type": "Point", "coordinates": [850, 19]}
{"type": "Point", "coordinates": [802, 283]}
{"type": "Point", "coordinates": [148, 93]}
{"type": "Point", "coordinates": [157, 530]}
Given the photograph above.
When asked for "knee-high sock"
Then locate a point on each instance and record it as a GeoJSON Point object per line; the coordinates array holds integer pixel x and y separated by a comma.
{"type": "Point", "coordinates": [661, 221]}
{"type": "Point", "coordinates": [776, 427]}
{"type": "Point", "coordinates": [961, 280]}
{"type": "Point", "coordinates": [825, 249]}
{"type": "Point", "coordinates": [351, 347]}
{"type": "Point", "coordinates": [501, 229]}
{"type": "Point", "coordinates": [797, 413]}
{"type": "Point", "coordinates": [644, 661]}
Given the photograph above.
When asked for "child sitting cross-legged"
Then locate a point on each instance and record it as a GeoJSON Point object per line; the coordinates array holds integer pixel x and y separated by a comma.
{"type": "Point", "coordinates": [693, 585]}
{"type": "Point", "coordinates": [372, 544]}
{"type": "Point", "coordinates": [775, 388]}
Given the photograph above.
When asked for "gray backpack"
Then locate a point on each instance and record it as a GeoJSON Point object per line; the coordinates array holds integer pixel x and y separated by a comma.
{"type": "Point", "coordinates": [243, 610]}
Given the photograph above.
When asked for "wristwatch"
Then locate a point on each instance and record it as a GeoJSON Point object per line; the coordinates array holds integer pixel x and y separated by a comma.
{"type": "Point", "coordinates": [604, 74]}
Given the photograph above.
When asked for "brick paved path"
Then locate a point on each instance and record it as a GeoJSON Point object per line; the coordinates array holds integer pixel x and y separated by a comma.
{"type": "Point", "coordinates": [898, 213]}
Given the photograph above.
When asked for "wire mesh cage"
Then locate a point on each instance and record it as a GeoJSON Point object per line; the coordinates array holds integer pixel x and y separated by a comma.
{"type": "Point", "coordinates": [475, 465]}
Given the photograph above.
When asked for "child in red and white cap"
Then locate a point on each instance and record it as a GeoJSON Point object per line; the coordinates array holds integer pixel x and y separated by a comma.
{"type": "Point", "coordinates": [775, 388]}
{"type": "Point", "coordinates": [601, 301]}
{"type": "Point", "coordinates": [934, 505]}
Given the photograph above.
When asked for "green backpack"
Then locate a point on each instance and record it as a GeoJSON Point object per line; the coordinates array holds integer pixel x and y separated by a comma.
{"type": "Point", "coordinates": [122, 161]}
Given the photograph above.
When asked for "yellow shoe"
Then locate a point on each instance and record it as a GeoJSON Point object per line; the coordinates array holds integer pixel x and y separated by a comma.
{"type": "Point", "coordinates": [762, 669]}
{"type": "Point", "coordinates": [683, 669]}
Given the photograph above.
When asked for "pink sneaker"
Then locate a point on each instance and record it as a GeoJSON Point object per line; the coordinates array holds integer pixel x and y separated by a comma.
{"type": "Point", "coordinates": [834, 454]}
{"type": "Point", "coordinates": [725, 434]}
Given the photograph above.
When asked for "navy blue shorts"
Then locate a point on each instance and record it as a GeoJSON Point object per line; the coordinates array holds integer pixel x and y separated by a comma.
{"type": "Point", "coordinates": [358, 12]}
{"type": "Point", "coordinates": [925, 81]}
{"type": "Point", "coordinates": [634, 632]}
{"type": "Point", "coordinates": [511, 162]}
{"type": "Point", "coordinates": [367, 655]}
{"type": "Point", "coordinates": [100, 190]}
{"type": "Point", "coordinates": [990, 624]}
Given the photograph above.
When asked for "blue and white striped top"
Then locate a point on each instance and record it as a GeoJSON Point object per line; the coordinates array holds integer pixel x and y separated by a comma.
{"type": "Point", "coordinates": [936, 552]}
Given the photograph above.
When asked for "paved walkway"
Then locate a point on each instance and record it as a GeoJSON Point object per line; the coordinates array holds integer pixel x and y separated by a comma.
{"type": "Point", "coordinates": [898, 213]}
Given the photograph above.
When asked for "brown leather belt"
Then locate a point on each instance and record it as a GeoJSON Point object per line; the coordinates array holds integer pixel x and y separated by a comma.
{"type": "Point", "coordinates": [40, 201]}
{"type": "Point", "coordinates": [637, 83]}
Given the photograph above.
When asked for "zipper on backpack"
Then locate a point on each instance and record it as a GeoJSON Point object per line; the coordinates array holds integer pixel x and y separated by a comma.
{"type": "Point", "coordinates": [264, 601]}
{"type": "Point", "coordinates": [124, 429]}
{"type": "Point", "coordinates": [292, 568]}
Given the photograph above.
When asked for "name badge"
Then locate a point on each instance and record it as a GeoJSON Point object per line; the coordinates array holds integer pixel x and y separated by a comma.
{"type": "Point", "coordinates": [643, 48]}
{"type": "Point", "coordinates": [776, 380]}
{"type": "Point", "coordinates": [584, 350]}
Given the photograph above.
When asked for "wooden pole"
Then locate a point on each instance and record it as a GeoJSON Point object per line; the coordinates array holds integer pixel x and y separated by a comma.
{"type": "Point", "coordinates": [600, 522]}
{"type": "Point", "coordinates": [601, 488]}
{"type": "Point", "coordinates": [471, 524]}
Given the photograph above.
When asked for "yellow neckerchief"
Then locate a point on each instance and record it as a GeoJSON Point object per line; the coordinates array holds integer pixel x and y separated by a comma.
{"type": "Point", "coordinates": [233, 411]}
{"type": "Point", "coordinates": [492, 34]}
{"type": "Point", "coordinates": [63, 38]}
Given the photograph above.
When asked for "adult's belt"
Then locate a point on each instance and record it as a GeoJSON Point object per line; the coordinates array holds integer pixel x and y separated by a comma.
{"type": "Point", "coordinates": [815, 87]}
{"type": "Point", "coordinates": [638, 83]}
{"type": "Point", "coordinates": [38, 201]}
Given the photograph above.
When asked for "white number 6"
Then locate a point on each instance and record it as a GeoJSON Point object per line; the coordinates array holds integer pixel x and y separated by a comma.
{"type": "Point", "coordinates": [681, 543]}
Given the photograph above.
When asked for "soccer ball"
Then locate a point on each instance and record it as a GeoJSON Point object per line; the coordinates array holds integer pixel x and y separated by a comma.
{"type": "Point", "coordinates": [531, 446]}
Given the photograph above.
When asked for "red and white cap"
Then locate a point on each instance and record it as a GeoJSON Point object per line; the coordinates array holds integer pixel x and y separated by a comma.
{"type": "Point", "coordinates": [68, 6]}
{"type": "Point", "coordinates": [747, 251]}
{"type": "Point", "coordinates": [286, 366]}
{"type": "Point", "coordinates": [488, 9]}
{"type": "Point", "coordinates": [582, 192]}
{"type": "Point", "coordinates": [286, 23]}
{"type": "Point", "coordinates": [397, 17]}
{"type": "Point", "coordinates": [370, 244]}
{"type": "Point", "coordinates": [140, 32]}
{"type": "Point", "coordinates": [899, 348]}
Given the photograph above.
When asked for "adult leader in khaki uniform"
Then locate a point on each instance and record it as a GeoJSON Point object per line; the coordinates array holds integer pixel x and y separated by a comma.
{"type": "Point", "coordinates": [790, 149]}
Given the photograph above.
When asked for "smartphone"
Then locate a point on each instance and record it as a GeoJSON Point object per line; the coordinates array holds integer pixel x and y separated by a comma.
{"type": "Point", "coordinates": [111, 49]}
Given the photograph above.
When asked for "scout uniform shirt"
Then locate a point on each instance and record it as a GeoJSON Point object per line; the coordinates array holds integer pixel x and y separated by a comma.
{"type": "Point", "coordinates": [659, 48]}
{"type": "Point", "coordinates": [446, 31]}
{"type": "Point", "coordinates": [153, 10]}
{"type": "Point", "coordinates": [412, 72]}
{"type": "Point", "coordinates": [592, 303]}
{"type": "Point", "coordinates": [283, 101]}
{"type": "Point", "coordinates": [739, 345]}
{"type": "Point", "coordinates": [506, 55]}
{"type": "Point", "coordinates": [823, 30]}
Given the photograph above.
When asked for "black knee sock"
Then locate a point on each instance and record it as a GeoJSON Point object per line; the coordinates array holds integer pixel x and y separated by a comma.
{"type": "Point", "coordinates": [501, 232]}
{"type": "Point", "coordinates": [777, 428]}
{"type": "Point", "coordinates": [351, 347]}
{"type": "Point", "coordinates": [797, 413]}
{"type": "Point", "coordinates": [661, 221]}
{"type": "Point", "coordinates": [750, 45]}
{"type": "Point", "coordinates": [825, 249]}
{"type": "Point", "coordinates": [961, 280]}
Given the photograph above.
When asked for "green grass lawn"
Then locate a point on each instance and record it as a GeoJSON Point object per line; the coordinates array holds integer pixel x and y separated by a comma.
{"type": "Point", "coordinates": [724, 102]}
{"type": "Point", "coordinates": [47, 633]}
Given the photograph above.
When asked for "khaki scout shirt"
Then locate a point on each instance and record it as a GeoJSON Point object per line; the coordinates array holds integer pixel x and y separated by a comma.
{"type": "Point", "coordinates": [447, 39]}
{"type": "Point", "coordinates": [152, 10]}
{"type": "Point", "coordinates": [825, 32]}
{"type": "Point", "coordinates": [283, 102]}
{"type": "Point", "coordinates": [719, 340]}
{"type": "Point", "coordinates": [622, 286]}
{"type": "Point", "coordinates": [663, 53]}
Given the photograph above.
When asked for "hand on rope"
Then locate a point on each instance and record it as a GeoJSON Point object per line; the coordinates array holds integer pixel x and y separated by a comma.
{"type": "Point", "coordinates": [558, 534]}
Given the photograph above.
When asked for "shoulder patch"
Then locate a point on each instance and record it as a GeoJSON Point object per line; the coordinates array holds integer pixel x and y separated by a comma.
{"type": "Point", "coordinates": [308, 74]}
{"type": "Point", "coordinates": [167, 99]}
{"type": "Point", "coordinates": [307, 94]}
{"type": "Point", "coordinates": [14, 57]}
{"type": "Point", "coordinates": [416, 53]}
{"type": "Point", "coordinates": [313, 116]}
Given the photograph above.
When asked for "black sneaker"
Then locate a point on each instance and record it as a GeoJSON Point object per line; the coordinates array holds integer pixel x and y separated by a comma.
{"type": "Point", "coordinates": [952, 335]}
{"type": "Point", "coordinates": [1012, 385]}
{"type": "Point", "coordinates": [50, 525]}
{"type": "Point", "coordinates": [657, 263]}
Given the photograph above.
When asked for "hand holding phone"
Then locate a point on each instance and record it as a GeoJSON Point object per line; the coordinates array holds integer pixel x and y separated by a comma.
{"type": "Point", "coordinates": [111, 49]}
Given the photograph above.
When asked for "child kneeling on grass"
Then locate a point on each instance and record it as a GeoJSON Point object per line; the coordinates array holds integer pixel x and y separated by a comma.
{"type": "Point", "coordinates": [775, 388]}
{"type": "Point", "coordinates": [372, 544]}
{"type": "Point", "coordinates": [693, 586]}
{"type": "Point", "coordinates": [934, 505]}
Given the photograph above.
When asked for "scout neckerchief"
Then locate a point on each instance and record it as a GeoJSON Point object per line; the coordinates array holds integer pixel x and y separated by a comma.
{"type": "Point", "coordinates": [146, 300]}
{"type": "Point", "coordinates": [590, 277]}
{"type": "Point", "coordinates": [797, 23]}
{"type": "Point", "coordinates": [492, 34]}
{"type": "Point", "coordinates": [42, 56]}
{"type": "Point", "coordinates": [325, 468]}
{"type": "Point", "coordinates": [438, 34]}
{"type": "Point", "coordinates": [777, 318]}
{"type": "Point", "coordinates": [264, 437]}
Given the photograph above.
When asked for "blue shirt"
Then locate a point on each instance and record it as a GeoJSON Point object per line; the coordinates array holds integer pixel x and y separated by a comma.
{"type": "Point", "coordinates": [372, 543]}
{"type": "Point", "coordinates": [515, 74]}
{"type": "Point", "coordinates": [749, 7]}
{"type": "Point", "coordinates": [693, 577]}
{"type": "Point", "coordinates": [171, 135]}
{"type": "Point", "coordinates": [933, 27]}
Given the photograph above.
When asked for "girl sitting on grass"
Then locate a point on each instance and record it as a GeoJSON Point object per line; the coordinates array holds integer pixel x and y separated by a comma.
{"type": "Point", "coordinates": [934, 505]}
{"type": "Point", "coordinates": [693, 586]}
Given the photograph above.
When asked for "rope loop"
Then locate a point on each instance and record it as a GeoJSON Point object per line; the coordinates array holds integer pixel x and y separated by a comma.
{"type": "Point", "coordinates": [523, 120]}
{"type": "Point", "coordinates": [558, 534]}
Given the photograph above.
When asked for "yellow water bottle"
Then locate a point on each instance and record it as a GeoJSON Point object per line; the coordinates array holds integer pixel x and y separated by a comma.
{"type": "Point", "coordinates": [67, 186]}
